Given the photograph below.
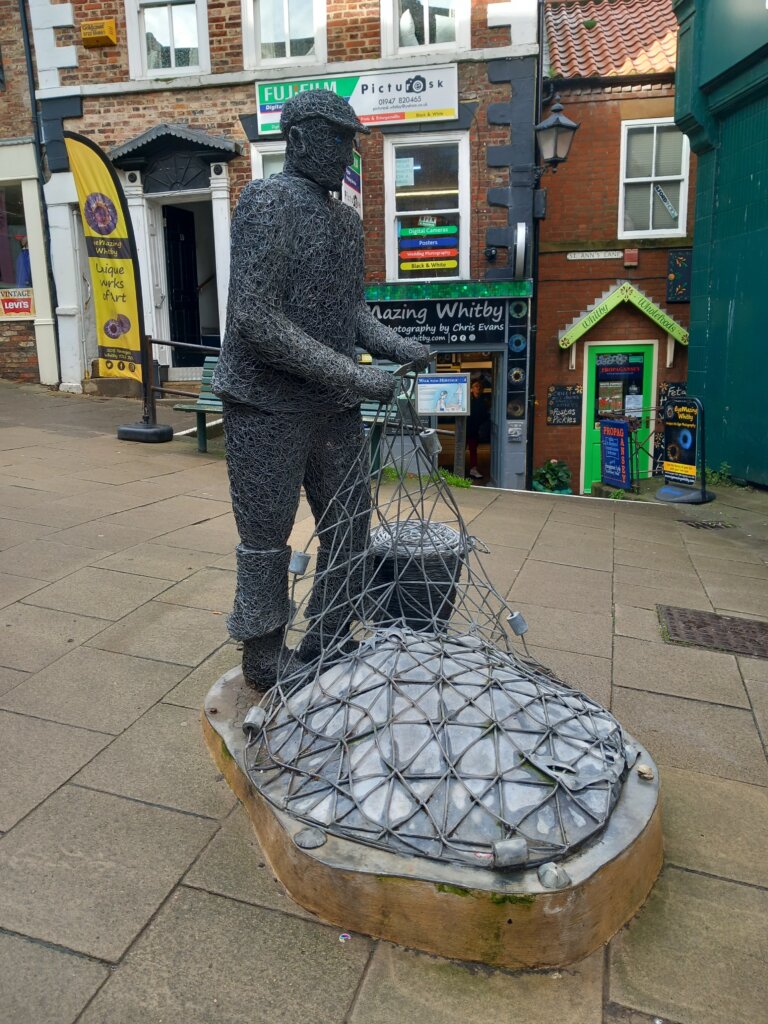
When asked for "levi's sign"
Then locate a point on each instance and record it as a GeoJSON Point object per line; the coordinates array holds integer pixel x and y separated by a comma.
{"type": "Point", "coordinates": [377, 97]}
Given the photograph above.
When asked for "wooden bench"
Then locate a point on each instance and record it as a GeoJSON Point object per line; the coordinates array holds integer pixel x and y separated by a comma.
{"type": "Point", "coordinates": [207, 402]}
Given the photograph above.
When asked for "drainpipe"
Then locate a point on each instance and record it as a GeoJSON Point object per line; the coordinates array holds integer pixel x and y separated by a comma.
{"type": "Point", "coordinates": [40, 175]}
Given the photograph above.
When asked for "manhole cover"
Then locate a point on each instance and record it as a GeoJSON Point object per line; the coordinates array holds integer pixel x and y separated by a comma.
{"type": "Point", "coordinates": [721, 632]}
{"type": "Point", "coordinates": [706, 525]}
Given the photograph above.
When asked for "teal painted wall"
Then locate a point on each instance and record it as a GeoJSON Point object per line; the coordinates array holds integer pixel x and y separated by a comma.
{"type": "Point", "coordinates": [733, 31]}
{"type": "Point", "coordinates": [728, 353]}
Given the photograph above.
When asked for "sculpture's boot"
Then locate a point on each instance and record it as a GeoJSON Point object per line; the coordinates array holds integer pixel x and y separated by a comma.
{"type": "Point", "coordinates": [260, 611]}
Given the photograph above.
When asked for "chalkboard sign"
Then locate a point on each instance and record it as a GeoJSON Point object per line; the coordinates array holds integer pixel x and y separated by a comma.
{"type": "Point", "coordinates": [614, 454]}
{"type": "Point", "coordinates": [564, 405]}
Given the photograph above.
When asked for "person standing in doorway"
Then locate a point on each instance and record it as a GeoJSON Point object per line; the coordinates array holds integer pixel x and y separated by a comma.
{"type": "Point", "coordinates": [478, 425]}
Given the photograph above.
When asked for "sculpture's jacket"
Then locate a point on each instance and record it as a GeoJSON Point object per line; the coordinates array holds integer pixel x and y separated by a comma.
{"type": "Point", "coordinates": [296, 304]}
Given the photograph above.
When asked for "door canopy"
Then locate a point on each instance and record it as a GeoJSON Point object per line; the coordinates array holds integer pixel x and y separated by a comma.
{"type": "Point", "coordinates": [622, 291]}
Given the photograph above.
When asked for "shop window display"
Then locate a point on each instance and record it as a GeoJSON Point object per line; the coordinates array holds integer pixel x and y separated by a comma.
{"type": "Point", "coordinates": [15, 263]}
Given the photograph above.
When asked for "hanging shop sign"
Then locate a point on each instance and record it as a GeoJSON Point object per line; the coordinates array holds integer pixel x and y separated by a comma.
{"type": "Point", "coordinates": [383, 97]}
{"type": "Point", "coordinates": [623, 293]}
{"type": "Point", "coordinates": [480, 323]}
{"type": "Point", "coordinates": [16, 302]}
{"type": "Point", "coordinates": [443, 394]}
{"type": "Point", "coordinates": [112, 259]}
{"type": "Point", "coordinates": [681, 434]}
{"type": "Point", "coordinates": [352, 185]}
{"type": "Point", "coordinates": [615, 468]}
{"type": "Point", "coordinates": [564, 402]}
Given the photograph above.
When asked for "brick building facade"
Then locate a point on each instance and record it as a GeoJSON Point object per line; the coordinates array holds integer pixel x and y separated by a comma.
{"type": "Point", "coordinates": [606, 224]}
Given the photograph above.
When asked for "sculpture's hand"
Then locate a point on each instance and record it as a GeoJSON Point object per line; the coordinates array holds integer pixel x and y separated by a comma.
{"type": "Point", "coordinates": [376, 383]}
{"type": "Point", "coordinates": [415, 353]}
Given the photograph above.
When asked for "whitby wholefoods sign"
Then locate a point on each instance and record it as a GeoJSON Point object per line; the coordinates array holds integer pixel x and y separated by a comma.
{"type": "Point", "coordinates": [377, 97]}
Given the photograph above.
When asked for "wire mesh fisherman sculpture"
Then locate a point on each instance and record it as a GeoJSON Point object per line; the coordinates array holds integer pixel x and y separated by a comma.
{"type": "Point", "coordinates": [287, 376]}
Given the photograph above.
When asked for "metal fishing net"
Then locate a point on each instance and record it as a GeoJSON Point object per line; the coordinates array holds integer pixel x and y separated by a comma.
{"type": "Point", "coordinates": [405, 717]}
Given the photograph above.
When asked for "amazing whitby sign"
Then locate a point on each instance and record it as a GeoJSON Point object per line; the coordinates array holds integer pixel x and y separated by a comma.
{"type": "Point", "coordinates": [480, 323]}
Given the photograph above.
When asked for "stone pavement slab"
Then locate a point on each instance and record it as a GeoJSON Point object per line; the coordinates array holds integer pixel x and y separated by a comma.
{"type": "Point", "coordinates": [405, 987]}
{"type": "Point", "coordinates": [162, 517]}
{"type": "Point", "coordinates": [162, 759]}
{"type": "Point", "coordinates": [192, 690]}
{"type": "Point", "coordinates": [563, 586]}
{"type": "Point", "coordinates": [94, 689]}
{"type": "Point", "coordinates": [716, 826]}
{"type": "Point", "coordinates": [165, 632]}
{"type": "Point", "coordinates": [34, 637]}
{"type": "Point", "coordinates": [87, 870]}
{"type": "Point", "coordinates": [217, 537]}
{"type": "Point", "coordinates": [39, 985]}
{"type": "Point", "coordinates": [580, 632]}
{"type": "Point", "coordinates": [100, 593]}
{"type": "Point", "coordinates": [46, 559]}
{"type": "Point", "coordinates": [13, 532]}
{"type": "Point", "coordinates": [206, 959]}
{"type": "Point", "coordinates": [209, 588]}
{"type": "Point", "coordinates": [589, 674]}
{"type": "Point", "coordinates": [648, 597]}
{"type": "Point", "coordinates": [678, 670]}
{"type": "Point", "coordinates": [36, 757]}
{"type": "Point", "coordinates": [11, 677]}
{"type": "Point", "coordinates": [103, 535]}
{"type": "Point", "coordinates": [13, 588]}
{"type": "Point", "coordinates": [697, 952]}
{"type": "Point", "coordinates": [157, 560]}
{"type": "Point", "coordinates": [662, 557]}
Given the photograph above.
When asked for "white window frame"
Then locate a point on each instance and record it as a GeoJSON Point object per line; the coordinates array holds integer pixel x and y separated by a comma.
{"type": "Point", "coordinates": [258, 151]}
{"type": "Point", "coordinates": [390, 213]}
{"type": "Point", "coordinates": [137, 54]}
{"type": "Point", "coordinates": [682, 214]}
{"type": "Point", "coordinates": [390, 31]}
{"type": "Point", "coordinates": [252, 42]}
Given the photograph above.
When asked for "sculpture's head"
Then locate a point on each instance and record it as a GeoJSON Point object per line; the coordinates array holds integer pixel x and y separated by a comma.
{"type": "Point", "coordinates": [319, 127]}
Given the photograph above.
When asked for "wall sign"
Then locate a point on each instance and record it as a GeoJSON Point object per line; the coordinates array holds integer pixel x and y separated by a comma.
{"type": "Point", "coordinates": [564, 403]}
{"type": "Point", "coordinates": [679, 275]}
{"type": "Point", "coordinates": [480, 323]}
{"type": "Point", "coordinates": [602, 254]}
{"type": "Point", "coordinates": [615, 469]}
{"type": "Point", "coordinates": [377, 97]}
{"type": "Point", "coordinates": [443, 394]}
{"type": "Point", "coordinates": [352, 185]}
{"type": "Point", "coordinates": [623, 293]}
{"type": "Point", "coordinates": [681, 443]}
{"type": "Point", "coordinates": [16, 302]}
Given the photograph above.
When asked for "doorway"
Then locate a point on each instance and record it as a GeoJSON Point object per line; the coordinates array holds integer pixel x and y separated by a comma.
{"type": "Point", "coordinates": [486, 369]}
{"type": "Point", "coordinates": [620, 383]}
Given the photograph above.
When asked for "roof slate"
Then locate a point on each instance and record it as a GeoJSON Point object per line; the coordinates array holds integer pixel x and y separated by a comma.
{"type": "Point", "coordinates": [610, 38]}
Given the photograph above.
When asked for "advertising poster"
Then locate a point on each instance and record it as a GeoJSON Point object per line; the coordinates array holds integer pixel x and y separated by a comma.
{"type": "Point", "coordinates": [443, 394]}
{"type": "Point", "coordinates": [680, 442]}
{"type": "Point", "coordinates": [111, 258]}
{"type": "Point", "coordinates": [377, 97]}
{"type": "Point", "coordinates": [564, 403]}
{"type": "Point", "coordinates": [615, 468]}
{"type": "Point", "coordinates": [352, 186]}
{"type": "Point", "coordinates": [16, 302]}
{"type": "Point", "coordinates": [428, 244]}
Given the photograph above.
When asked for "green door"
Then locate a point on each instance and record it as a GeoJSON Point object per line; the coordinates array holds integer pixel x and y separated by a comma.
{"type": "Point", "coordinates": [619, 385]}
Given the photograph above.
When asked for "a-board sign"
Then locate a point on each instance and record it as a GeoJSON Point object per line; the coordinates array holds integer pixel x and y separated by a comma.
{"type": "Point", "coordinates": [442, 394]}
{"type": "Point", "coordinates": [681, 428]}
{"type": "Point", "coordinates": [564, 403]}
{"type": "Point", "coordinates": [615, 466]}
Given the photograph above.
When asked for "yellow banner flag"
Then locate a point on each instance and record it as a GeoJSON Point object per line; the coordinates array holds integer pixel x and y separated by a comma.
{"type": "Point", "coordinates": [112, 258]}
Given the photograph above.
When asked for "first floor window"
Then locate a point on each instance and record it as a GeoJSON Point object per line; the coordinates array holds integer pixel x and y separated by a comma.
{"type": "Point", "coordinates": [169, 36]}
{"type": "Point", "coordinates": [426, 22]}
{"type": "Point", "coordinates": [267, 159]}
{"type": "Point", "coordinates": [427, 190]}
{"type": "Point", "coordinates": [286, 28]}
{"type": "Point", "coordinates": [654, 179]}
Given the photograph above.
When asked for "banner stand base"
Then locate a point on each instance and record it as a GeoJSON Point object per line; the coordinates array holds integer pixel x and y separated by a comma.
{"type": "Point", "coordinates": [149, 433]}
{"type": "Point", "coordinates": [680, 496]}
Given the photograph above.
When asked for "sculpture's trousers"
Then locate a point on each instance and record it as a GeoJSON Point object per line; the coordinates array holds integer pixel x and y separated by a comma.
{"type": "Point", "coordinates": [269, 457]}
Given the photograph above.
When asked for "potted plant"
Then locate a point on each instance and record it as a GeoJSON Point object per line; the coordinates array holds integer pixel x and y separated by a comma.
{"type": "Point", "coordinates": [554, 476]}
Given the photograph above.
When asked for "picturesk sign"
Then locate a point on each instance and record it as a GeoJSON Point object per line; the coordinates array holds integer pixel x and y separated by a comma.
{"type": "Point", "coordinates": [384, 97]}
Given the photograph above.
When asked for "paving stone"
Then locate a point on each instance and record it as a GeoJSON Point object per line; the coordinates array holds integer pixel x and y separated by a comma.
{"type": "Point", "coordinates": [34, 637]}
{"type": "Point", "coordinates": [192, 691]}
{"type": "Point", "coordinates": [208, 959]}
{"type": "Point", "coordinates": [563, 586]}
{"type": "Point", "coordinates": [103, 535]}
{"type": "Point", "coordinates": [582, 632]}
{"type": "Point", "coordinates": [640, 623]}
{"type": "Point", "coordinates": [45, 559]}
{"type": "Point", "coordinates": [402, 985]}
{"type": "Point", "coordinates": [94, 689]}
{"type": "Point", "coordinates": [696, 953]}
{"type": "Point", "coordinates": [157, 560]}
{"type": "Point", "coordinates": [576, 553]}
{"type": "Point", "coordinates": [218, 536]}
{"type": "Point", "coordinates": [679, 670]}
{"type": "Point", "coordinates": [648, 597]}
{"type": "Point", "coordinates": [754, 669]}
{"type": "Point", "coordinates": [706, 738]}
{"type": "Point", "coordinates": [162, 759]}
{"type": "Point", "coordinates": [39, 985]}
{"type": "Point", "coordinates": [638, 576]}
{"type": "Point", "coordinates": [169, 514]}
{"type": "Point", "coordinates": [615, 1014]}
{"type": "Point", "coordinates": [655, 556]}
{"type": "Point", "coordinates": [737, 593]}
{"type": "Point", "coordinates": [233, 865]}
{"type": "Point", "coordinates": [100, 593]}
{"type": "Point", "coordinates": [13, 532]}
{"type": "Point", "coordinates": [715, 825]}
{"type": "Point", "coordinates": [11, 677]}
{"type": "Point", "coordinates": [13, 588]}
{"type": "Point", "coordinates": [165, 632]}
{"type": "Point", "coordinates": [209, 588]}
{"type": "Point", "coordinates": [731, 567]}
{"type": "Point", "coordinates": [87, 870]}
{"type": "Point", "coordinates": [584, 672]}
{"type": "Point", "coordinates": [758, 697]}
{"type": "Point", "coordinates": [38, 511]}
{"type": "Point", "coordinates": [36, 758]}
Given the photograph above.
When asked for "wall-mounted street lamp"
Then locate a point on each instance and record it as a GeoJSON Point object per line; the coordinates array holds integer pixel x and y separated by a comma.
{"type": "Point", "coordinates": [554, 136]}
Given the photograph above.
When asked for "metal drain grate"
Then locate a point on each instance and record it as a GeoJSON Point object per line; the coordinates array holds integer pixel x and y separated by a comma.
{"type": "Point", "coordinates": [720, 632]}
{"type": "Point", "coordinates": [706, 525]}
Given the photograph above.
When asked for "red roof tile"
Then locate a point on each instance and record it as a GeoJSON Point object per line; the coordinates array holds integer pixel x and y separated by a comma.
{"type": "Point", "coordinates": [609, 38]}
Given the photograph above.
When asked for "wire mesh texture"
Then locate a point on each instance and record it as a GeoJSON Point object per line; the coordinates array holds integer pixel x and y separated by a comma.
{"type": "Point", "coordinates": [405, 717]}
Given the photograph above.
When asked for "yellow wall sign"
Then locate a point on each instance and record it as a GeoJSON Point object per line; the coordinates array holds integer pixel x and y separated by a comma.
{"type": "Point", "coordinates": [111, 258]}
{"type": "Point", "coordinates": [99, 33]}
{"type": "Point", "coordinates": [430, 265]}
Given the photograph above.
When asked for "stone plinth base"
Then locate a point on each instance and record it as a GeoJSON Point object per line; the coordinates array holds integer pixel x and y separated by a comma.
{"type": "Point", "coordinates": [476, 914]}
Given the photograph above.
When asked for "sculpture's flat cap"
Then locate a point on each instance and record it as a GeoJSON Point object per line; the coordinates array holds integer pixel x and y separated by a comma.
{"type": "Point", "coordinates": [320, 103]}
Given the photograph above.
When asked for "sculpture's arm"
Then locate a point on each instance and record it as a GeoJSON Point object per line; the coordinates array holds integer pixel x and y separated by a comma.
{"type": "Point", "coordinates": [379, 340]}
{"type": "Point", "coordinates": [260, 267]}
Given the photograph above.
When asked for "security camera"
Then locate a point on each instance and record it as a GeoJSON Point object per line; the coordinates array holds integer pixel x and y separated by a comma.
{"type": "Point", "coordinates": [490, 253]}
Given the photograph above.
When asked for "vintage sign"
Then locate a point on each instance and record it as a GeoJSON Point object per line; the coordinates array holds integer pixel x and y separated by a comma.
{"type": "Point", "coordinates": [681, 422]}
{"type": "Point", "coordinates": [16, 302]}
{"type": "Point", "coordinates": [602, 254]}
{"type": "Point", "coordinates": [443, 394]}
{"type": "Point", "coordinates": [481, 323]}
{"type": "Point", "coordinates": [377, 97]}
{"type": "Point", "coordinates": [564, 403]}
{"type": "Point", "coordinates": [623, 293]}
{"type": "Point", "coordinates": [615, 465]}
